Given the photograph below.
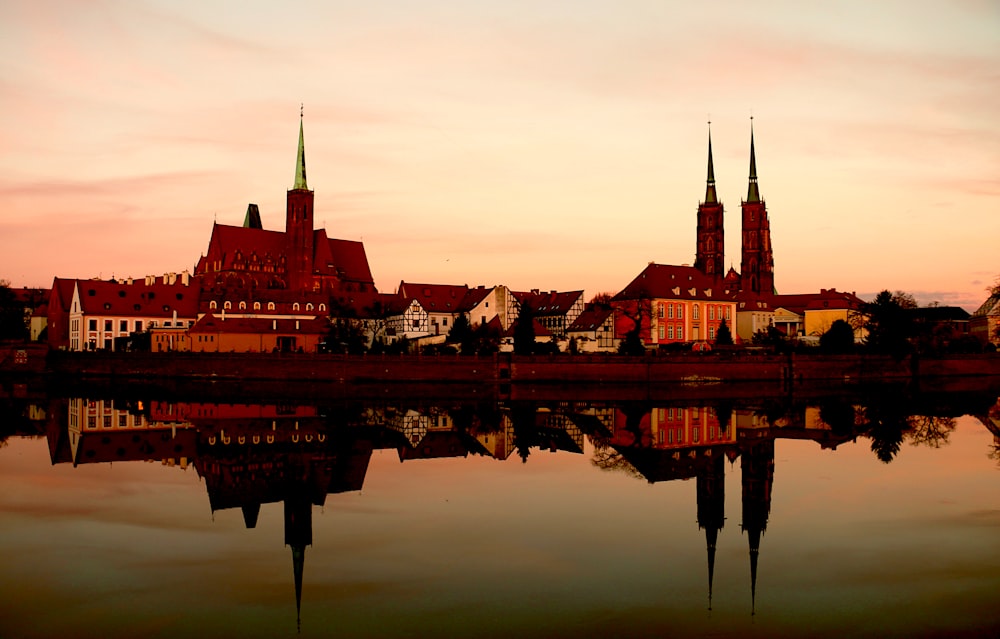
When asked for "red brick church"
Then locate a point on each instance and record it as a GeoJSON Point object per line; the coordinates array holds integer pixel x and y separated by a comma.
{"type": "Point", "coordinates": [298, 266]}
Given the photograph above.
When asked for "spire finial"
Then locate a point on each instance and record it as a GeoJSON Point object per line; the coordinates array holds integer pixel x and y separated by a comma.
{"type": "Point", "coordinates": [300, 161]}
{"type": "Point", "coordinates": [753, 193]}
{"type": "Point", "coordinates": [711, 197]}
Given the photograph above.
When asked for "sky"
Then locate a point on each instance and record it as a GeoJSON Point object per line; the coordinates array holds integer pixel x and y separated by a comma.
{"type": "Point", "coordinates": [553, 145]}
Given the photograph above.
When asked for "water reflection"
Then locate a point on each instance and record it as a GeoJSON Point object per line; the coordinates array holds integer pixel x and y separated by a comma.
{"type": "Point", "coordinates": [298, 452]}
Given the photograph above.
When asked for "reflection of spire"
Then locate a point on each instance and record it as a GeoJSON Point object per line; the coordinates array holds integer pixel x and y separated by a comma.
{"type": "Point", "coordinates": [758, 474]}
{"type": "Point", "coordinates": [298, 564]}
{"type": "Point", "coordinates": [298, 535]}
{"type": "Point", "coordinates": [712, 510]}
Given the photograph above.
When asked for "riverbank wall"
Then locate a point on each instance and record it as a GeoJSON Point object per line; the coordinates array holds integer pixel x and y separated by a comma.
{"type": "Point", "coordinates": [686, 369]}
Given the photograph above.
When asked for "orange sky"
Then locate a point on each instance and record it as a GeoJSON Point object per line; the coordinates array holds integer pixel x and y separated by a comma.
{"type": "Point", "coordinates": [558, 147]}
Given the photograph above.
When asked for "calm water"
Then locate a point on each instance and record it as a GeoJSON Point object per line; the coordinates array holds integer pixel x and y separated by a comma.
{"type": "Point", "coordinates": [124, 514]}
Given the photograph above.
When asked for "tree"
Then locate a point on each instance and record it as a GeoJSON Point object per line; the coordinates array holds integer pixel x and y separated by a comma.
{"type": "Point", "coordinates": [12, 318]}
{"type": "Point", "coordinates": [524, 330]}
{"type": "Point", "coordinates": [460, 333]}
{"type": "Point", "coordinates": [839, 338]}
{"type": "Point", "coordinates": [888, 324]}
{"type": "Point", "coordinates": [723, 337]}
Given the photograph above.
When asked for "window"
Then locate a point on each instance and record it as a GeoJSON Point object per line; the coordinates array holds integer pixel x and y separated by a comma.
{"type": "Point", "coordinates": [711, 312]}
{"type": "Point", "coordinates": [256, 306]}
{"type": "Point", "coordinates": [670, 311]}
{"type": "Point", "coordinates": [123, 326]}
{"type": "Point", "coordinates": [213, 305]}
{"type": "Point", "coordinates": [671, 331]}
{"type": "Point", "coordinates": [727, 312]}
{"type": "Point", "coordinates": [107, 325]}
{"type": "Point", "coordinates": [444, 322]}
{"type": "Point", "coordinates": [680, 332]}
{"type": "Point", "coordinates": [107, 421]}
{"type": "Point", "coordinates": [662, 331]}
{"type": "Point", "coordinates": [659, 310]}
{"type": "Point", "coordinates": [138, 326]}
{"type": "Point", "coordinates": [680, 311]}
{"type": "Point", "coordinates": [122, 420]}
{"type": "Point", "coordinates": [270, 306]}
{"type": "Point", "coordinates": [711, 332]}
{"type": "Point", "coordinates": [322, 307]}
{"type": "Point", "coordinates": [243, 306]}
{"type": "Point", "coordinates": [309, 306]}
{"type": "Point", "coordinates": [694, 312]}
{"type": "Point", "coordinates": [227, 305]}
{"type": "Point", "coordinates": [295, 306]}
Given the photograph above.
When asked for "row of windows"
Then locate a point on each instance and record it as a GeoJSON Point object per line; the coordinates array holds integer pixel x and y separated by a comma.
{"type": "Point", "coordinates": [227, 305]}
{"type": "Point", "coordinates": [669, 331]}
{"type": "Point", "coordinates": [671, 310]}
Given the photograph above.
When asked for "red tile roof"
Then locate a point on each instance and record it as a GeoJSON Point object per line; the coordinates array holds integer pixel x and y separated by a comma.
{"type": "Point", "coordinates": [138, 299]}
{"type": "Point", "coordinates": [435, 298]}
{"type": "Point", "coordinates": [591, 319]}
{"type": "Point", "coordinates": [548, 303]}
{"type": "Point", "coordinates": [675, 282]}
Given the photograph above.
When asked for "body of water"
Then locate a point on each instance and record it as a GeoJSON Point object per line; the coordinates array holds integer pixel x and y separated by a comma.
{"type": "Point", "coordinates": [125, 514]}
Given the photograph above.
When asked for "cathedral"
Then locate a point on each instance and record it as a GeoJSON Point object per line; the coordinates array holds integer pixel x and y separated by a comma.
{"type": "Point", "coordinates": [254, 268]}
{"type": "Point", "coordinates": [756, 276]}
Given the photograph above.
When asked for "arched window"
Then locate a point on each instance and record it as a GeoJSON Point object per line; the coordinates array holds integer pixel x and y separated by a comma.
{"type": "Point", "coordinates": [256, 306]}
{"type": "Point", "coordinates": [322, 307]}
{"type": "Point", "coordinates": [270, 306]}
{"type": "Point", "coordinates": [309, 306]}
{"type": "Point", "coordinates": [243, 306]}
{"type": "Point", "coordinates": [213, 305]}
{"type": "Point", "coordinates": [694, 312]}
{"type": "Point", "coordinates": [228, 305]}
{"type": "Point", "coordinates": [295, 306]}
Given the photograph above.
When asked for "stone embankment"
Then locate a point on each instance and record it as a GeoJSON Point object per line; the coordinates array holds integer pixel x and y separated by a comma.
{"type": "Point", "coordinates": [687, 369]}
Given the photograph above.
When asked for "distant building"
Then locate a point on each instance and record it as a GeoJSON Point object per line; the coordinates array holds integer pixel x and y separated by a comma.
{"type": "Point", "coordinates": [985, 322]}
{"type": "Point", "coordinates": [594, 329]}
{"type": "Point", "coordinates": [554, 310]}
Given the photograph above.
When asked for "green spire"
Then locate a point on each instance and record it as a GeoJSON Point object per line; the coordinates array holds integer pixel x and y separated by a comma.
{"type": "Point", "coordinates": [710, 195]}
{"type": "Point", "coordinates": [300, 161]}
{"type": "Point", "coordinates": [753, 194]}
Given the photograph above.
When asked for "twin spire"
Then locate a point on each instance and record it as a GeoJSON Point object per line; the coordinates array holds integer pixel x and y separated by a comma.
{"type": "Point", "coordinates": [300, 161]}
{"type": "Point", "coordinates": [753, 193]}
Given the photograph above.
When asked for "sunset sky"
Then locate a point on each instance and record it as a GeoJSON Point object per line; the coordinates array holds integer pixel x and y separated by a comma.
{"type": "Point", "coordinates": [553, 145]}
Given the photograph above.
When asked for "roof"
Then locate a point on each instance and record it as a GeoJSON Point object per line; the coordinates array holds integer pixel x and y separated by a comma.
{"type": "Point", "coordinates": [549, 303]}
{"type": "Point", "coordinates": [675, 282]}
{"type": "Point", "coordinates": [591, 319]}
{"type": "Point", "coordinates": [344, 258]}
{"type": "Point", "coordinates": [474, 297]}
{"type": "Point", "coordinates": [990, 307]}
{"type": "Point", "coordinates": [435, 298]}
{"type": "Point", "coordinates": [141, 298]}
{"type": "Point", "coordinates": [217, 324]}
{"type": "Point", "coordinates": [939, 314]}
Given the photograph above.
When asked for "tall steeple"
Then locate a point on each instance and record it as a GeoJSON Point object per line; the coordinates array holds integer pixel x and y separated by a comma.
{"type": "Point", "coordinates": [300, 161]}
{"type": "Point", "coordinates": [299, 223]}
{"type": "Point", "coordinates": [757, 264]}
{"type": "Point", "coordinates": [710, 195]}
{"type": "Point", "coordinates": [753, 193]}
{"type": "Point", "coordinates": [710, 241]}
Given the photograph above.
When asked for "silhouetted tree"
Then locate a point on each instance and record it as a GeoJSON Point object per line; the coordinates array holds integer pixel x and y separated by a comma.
{"type": "Point", "coordinates": [839, 338]}
{"type": "Point", "coordinates": [723, 337]}
{"type": "Point", "coordinates": [461, 331]}
{"type": "Point", "coordinates": [12, 318]}
{"type": "Point", "coordinates": [888, 324]}
{"type": "Point", "coordinates": [524, 330]}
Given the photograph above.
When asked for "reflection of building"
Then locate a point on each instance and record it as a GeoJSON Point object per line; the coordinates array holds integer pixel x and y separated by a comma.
{"type": "Point", "coordinates": [106, 431]}
{"type": "Point", "coordinates": [757, 464]}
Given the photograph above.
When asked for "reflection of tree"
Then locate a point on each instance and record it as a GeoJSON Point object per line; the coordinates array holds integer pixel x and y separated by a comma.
{"type": "Point", "coordinates": [930, 431]}
{"type": "Point", "coordinates": [522, 418]}
{"type": "Point", "coordinates": [885, 428]}
{"type": "Point", "coordinates": [609, 459]}
{"type": "Point", "coordinates": [838, 413]}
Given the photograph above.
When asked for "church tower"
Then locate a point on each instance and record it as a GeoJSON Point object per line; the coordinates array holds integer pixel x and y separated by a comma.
{"type": "Point", "coordinates": [757, 264]}
{"type": "Point", "coordinates": [709, 257]}
{"type": "Point", "coordinates": [299, 224]}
